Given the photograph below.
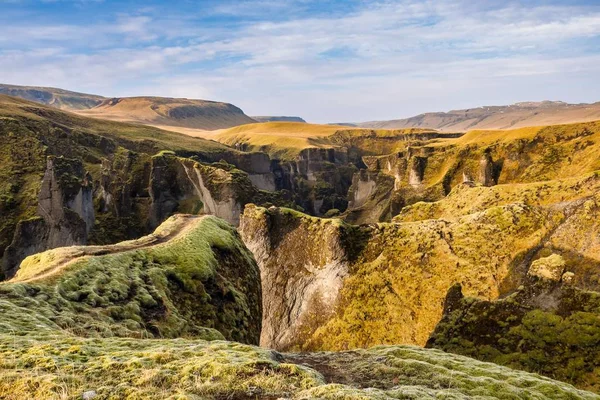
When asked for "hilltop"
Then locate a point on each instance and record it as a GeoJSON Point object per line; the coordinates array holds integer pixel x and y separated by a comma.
{"type": "Point", "coordinates": [169, 112]}
{"type": "Point", "coordinates": [166, 112]}
{"type": "Point", "coordinates": [277, 119]}
{"type": "Point", "coordinates": [497, 117]}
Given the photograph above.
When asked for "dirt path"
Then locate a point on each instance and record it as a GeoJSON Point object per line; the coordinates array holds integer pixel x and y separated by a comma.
{"type": "Point", "coordinates": [179, 227]}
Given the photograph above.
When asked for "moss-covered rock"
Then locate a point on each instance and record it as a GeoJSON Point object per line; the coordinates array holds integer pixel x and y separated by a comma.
{"type": "Point", "coordinates": [546, 327]}
{"type": "Point", "coordinates": [192, 277]}
{"type": "Point", "coordinates": [51, 366]}
{"type": "Point", "coordinates": [384, 283]}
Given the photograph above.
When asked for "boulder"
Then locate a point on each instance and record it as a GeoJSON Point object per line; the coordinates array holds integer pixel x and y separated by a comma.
{"type": "Point", "coordinates": [548, 268]}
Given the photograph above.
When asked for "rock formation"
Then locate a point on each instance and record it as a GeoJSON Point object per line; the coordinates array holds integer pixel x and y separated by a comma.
{"type": "Point", "coordinates": [301, 279]}
{"type": "Point", "coordinates": [65, 209]}
{"type": "Point", "coordinates": [547, 326]}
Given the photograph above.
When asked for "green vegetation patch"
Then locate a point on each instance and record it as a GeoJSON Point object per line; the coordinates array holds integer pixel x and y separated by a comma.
{"type": "Point", "coordinates": [200, 283]}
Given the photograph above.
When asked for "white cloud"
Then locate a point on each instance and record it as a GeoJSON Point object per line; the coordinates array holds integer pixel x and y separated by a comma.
{"type": "Point", "coordinates": [399, 58]}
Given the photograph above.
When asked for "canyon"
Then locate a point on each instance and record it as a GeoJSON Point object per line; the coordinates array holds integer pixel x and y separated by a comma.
{"type": "Point", "coordinates": [305, 240]}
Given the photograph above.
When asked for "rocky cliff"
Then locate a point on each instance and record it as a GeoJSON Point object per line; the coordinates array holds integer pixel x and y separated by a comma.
{"type": "Point", "coordinates": [376, 284]}
{"type": "Point", "coordinates": [548, 326]}
{"type": "Point", "coordinates": [337, 286]}
{"type": "Point", "coordinates": [65, 213]}
{"type": "Point", "coordinates": [301, 278]}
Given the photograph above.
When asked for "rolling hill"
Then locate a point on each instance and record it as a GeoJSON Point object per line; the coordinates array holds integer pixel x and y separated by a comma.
{"type": "Point", "coordinates": [58, 98]}
{"type": "Point", "coordinates": [169, 112]}
{"type": "Point", "coordinates": [174, 114]}
{"type": "Point", "coordinates": [497, 117]}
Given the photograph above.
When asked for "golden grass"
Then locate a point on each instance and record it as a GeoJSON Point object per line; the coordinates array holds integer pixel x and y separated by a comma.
{"type": "Point", "coordinates": [280, 139]}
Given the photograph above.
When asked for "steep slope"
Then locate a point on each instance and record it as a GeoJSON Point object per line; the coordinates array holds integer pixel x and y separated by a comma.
{"type": "Point", "coordinates": [497, 117]}
{"type": "Point", "coordinates": [329, 285]}
{"type": "Point", "coordinates": [333, 286]}
{"type": "Point", "coordinates": [169, 112]}
{"type": "Point", "coordinates": [58, 98]}
{"type": "Point", "coordinates": [191, 277]}
{"type": "Point", "coordinates": [547, 326]}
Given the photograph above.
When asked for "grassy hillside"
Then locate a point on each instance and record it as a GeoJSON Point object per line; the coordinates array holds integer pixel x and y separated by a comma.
{"type": "Point", "coordinates": [167, 112]}
{"type": "Point", "coordinates": [280, 139]}
{"type": "Point", "coordinates": [191, 278]}
{"type": "Point", "coordinates": [46, 367]}
{"type": "Point", "coordinates": [285, 140]}
{"type": "Point", "coordinates": [143, 137]}
{"type": "Point", "coordinates": [497, 117]}
{"type": "Point", "coordinates": [58, 98]}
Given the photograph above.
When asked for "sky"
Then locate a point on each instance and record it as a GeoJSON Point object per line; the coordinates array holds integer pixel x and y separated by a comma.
{"type": "Point", "coordinates": [325, 61]}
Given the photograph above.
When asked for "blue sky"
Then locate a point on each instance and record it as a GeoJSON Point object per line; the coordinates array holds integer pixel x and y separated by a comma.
{"type": "Point", "coordinates": [326, 61]}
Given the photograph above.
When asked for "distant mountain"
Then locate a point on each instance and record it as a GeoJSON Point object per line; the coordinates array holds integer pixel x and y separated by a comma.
{"type": "Point", "coordinates": [170, 112]}
{"type": "Point", "coordinates": [277, 119]}
{"type": "Point", "coordinates": [497, 117]}
{"type": "Point", "coordinates": [58, 98]}
{"type": "Point", "coordinates": [343, 124]}
{"type": "Point", "coordinates": [164, 112]}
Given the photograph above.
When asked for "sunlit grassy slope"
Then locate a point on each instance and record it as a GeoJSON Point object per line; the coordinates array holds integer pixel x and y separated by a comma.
{"type": "Point", "coordinates": [15, 109]}
{"type": "Point", "coordinates": [176, 112]}
{"type": "Point", "coordinates": [286, 139]}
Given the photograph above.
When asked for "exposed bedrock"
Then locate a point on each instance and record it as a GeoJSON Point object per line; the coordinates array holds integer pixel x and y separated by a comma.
{"type": "Point", "coordinates": [65, 213]}
{"type": "Point", "coordinates": [329, 285]}
{"type": "Point", "coordinates": [301, 278]}
{"type": "Point", "coordinates": [183, 185]}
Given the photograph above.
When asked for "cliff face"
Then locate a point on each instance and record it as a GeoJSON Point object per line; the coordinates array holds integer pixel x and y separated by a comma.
{"type": "Point", "coordinates": [65, 213]}
{"type": "Point", "coordinates": [548, 326]}
{"type": "Point", "coordinates": [183, 185]}
{"type": "Point", "coordinates": [301, 278]}
{"type": "Point", "coordinates": [388, 286]}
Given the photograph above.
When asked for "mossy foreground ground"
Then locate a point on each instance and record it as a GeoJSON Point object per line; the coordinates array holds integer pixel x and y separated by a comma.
{"type": "Point", "coordinates": [56, 365]}
{"type": "Point", "coordinates": [146, 319]}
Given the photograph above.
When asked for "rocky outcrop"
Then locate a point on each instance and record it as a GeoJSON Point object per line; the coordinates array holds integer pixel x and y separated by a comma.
{"type": "Point", "coordinates": [65, 209]}
{"type": "Point", "coordinates": [362, 189]}
{"type": "Point", "coordinates": [550, 268]}
{"type": "Point", "coordinates": [182, 185]}
{"type": "Point", "coordinates": [546, 326]}
{"type": "Point", "coordinates": [371, 198]}
{"type": "Point", "coordinates": [389, 287]}
{"type": "Point", "coordinates": [299, 291]}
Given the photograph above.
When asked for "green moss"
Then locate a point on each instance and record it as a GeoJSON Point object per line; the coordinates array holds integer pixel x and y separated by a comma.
{"type": "Point", "coordinates": [560, 340]}
{"type": "Point", "coordinates": [202, 283]}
